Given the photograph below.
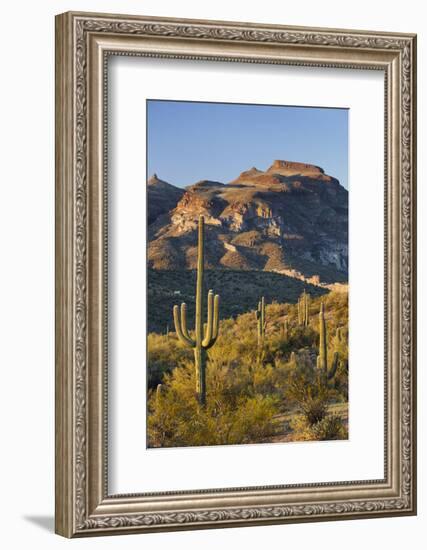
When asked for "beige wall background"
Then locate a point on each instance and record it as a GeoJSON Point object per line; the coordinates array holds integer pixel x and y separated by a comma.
{"type": "Point", "coordinates": [27, 273]}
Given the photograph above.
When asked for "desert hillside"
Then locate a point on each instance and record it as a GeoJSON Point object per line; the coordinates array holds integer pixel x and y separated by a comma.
{"type": "Point", "coordinates": [291, 219]}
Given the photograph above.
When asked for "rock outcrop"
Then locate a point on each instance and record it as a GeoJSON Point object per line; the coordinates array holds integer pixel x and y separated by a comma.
{"type": "Point", "coordinates": [291, 218]}
{"type": "Point", "coordinates": [162, 197]}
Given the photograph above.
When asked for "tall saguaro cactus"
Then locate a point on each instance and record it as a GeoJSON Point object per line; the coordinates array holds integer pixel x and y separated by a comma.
{"type": "Point", "coordinates": [204, 336]}
{"type": "Point", "coordinates": [307, 309]}
{"type": "Point", "coordinates": [322, 358]}
{"type": "Point", "coordinates": [261, 322]}
{"type": "Point", "coordinates": [293, 360]}
{"type": "Point", "coordinates": [304, 309]}
{"type": "Point", "coordinates": [285, 330]}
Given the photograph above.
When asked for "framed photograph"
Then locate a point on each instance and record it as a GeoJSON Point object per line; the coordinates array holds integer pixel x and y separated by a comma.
{"type": "Point", "coordinates": [235, 274]}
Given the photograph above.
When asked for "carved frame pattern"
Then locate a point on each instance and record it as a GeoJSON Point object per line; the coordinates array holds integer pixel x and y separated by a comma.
{"type": "Point", "coordinates": [82, 510]}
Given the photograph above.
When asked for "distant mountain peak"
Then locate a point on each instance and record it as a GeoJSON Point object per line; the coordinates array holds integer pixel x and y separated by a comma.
{"type": "Point", "coordinates": [291, 218]}
{"type": "Point", "coordinates": [292, 168]}
{"type": "Point", "coordinates": [248, 174]}
{"type": "Point", "coordinates": [292, 165]}
{"type": "Point", "coordinates": [154, 179]}
{"type": "Point", "coordinates": [279, 171]}
{"type": "Point", "coordinates": [162, 197]}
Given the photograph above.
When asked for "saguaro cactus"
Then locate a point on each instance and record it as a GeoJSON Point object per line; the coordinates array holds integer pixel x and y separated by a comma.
{"type": "Point", "coordinates": [293, 360]}
{"type": "Point", "coordinates": [204, 337]}
{"type": "Point", "coordinates": [322, 358]}
{"type": "Point", "coordinates": [261, 322]}
{"type": "Point", "coordinates": [304, 309]}
{"type": "Point", "coordinates": [340, 337]}
{"type": "Point", "coordinates": [334, 366]}
{"type": "Point", "coordinates": [285, 330]}
{"type": "Point", "coordinates": [159, 393]}
{"type": "Point", "coordinates": [307, 309]}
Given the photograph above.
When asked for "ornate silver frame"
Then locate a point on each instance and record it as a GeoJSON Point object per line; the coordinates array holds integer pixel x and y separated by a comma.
{"type": "Point", "coordinates": [83, 42]}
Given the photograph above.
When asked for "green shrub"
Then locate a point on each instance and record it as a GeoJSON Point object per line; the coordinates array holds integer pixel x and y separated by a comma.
{"type": "Point", "coordinates": [330, 427]}
{"type": "Point", "coordinates": [164, 354]}
{"type": "Point", "coordinates": [314, 410]}
{"type": "Point", "coordinates": [300, 429]}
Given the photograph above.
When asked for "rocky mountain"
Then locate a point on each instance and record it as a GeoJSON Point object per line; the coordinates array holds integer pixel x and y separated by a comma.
{"type": "Point", "coordinates": [162, 197]}
{"type": "Point", "coordinates": [291, 219]}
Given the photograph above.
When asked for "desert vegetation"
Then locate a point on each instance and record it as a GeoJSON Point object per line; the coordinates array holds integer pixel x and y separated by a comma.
{"type": "Point", "coordinates": [277, 373]}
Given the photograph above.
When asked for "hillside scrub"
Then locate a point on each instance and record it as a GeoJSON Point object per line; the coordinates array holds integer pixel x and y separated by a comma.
{"type": "Point", "coordinates": [238, 289]}
{"type": "Point", "coordinates": [246, 398]}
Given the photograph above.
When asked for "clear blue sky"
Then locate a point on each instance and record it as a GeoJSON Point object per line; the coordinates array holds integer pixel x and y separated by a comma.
{"type": "Point", "coordinates": [188, 141]}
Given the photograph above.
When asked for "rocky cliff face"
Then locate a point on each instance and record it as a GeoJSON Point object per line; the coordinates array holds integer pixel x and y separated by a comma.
{"type": "Point", "coordinates": [162, 197]}
{"type": "Point", "coordinates": [291, 218]}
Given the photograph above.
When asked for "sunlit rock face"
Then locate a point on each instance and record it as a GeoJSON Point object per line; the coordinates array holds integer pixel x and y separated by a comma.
{"type": "Point", "coordinates": [291, 218]}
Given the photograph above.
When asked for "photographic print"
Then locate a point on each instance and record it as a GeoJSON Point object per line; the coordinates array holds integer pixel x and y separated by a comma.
{"type": "Point", "coordinates": [222, 189]}
{"type": "Point", "coordinates": [247, 274]}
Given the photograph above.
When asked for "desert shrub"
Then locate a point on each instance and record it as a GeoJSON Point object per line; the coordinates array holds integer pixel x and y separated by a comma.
{"type": "Point", "coordinates": [300, 429]}
{"type": "Point", "coordinates": [310, 393]}
{"type": "Point", "coordinates": [275, 309]}
{"type": "Point", "coordinates": [303, 384]}
{"type": "Point", "coordinates": [252, 420]}
{"type": "Point", "coordinates": [340, 380]}
{"type": "Point", "coordinates": [172, 412]}
{"type": "Point", "coordinates": [263, 378]}
{"type": "Point", "coordinates": [164, 354]}
{"type": "Point", "coordinates": [314, 409]}
{"type": "Point", "coordinates": [330, 427]}
{"type": "Point", "coordinates": [231, 415]}
{"type": "Point", "coordinates": [301, 337]}
{"type": "Point", "coordinates": [339, 384]}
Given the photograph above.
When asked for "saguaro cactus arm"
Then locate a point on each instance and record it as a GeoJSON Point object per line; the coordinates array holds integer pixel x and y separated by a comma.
{"type": "Point", "coordinates": [334, 366]}
{"type": "Point", "coordinates": [212, 331]}
{"type": "Point", "coordinates": [216, 318]}
{"type": "Point", "coordinates": [209, 325]}
{"type": "Point", "coordinates": [184, 327]}
{"type": "Point", "coordinates": [181, 325]}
